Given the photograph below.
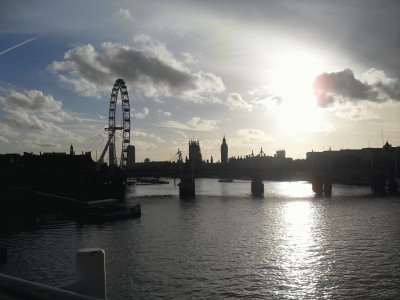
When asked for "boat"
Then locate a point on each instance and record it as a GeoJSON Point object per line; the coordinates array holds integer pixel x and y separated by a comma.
{"type": "Point", "coordinates": [95, 210]}
{"type": "Point", "coordinates": [108, 210]}
{"type": "Point", "coordinates": [131, 181]}
{"type": "Point", "coordinates": [112, 213]}
{"type": "Point", "coordinates": [150, 180]}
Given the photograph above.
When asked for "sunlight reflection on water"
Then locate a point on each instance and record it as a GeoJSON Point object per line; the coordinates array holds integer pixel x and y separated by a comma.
{"type": "Point", "coordinates": [298, 189]}
{"type": "Point", "coordinates": [298, 244]}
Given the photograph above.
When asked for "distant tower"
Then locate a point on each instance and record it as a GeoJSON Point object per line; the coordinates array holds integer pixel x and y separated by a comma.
{"type": "Point", "coordinates": [131, 156]}
{"type": "Point", "coordinates": [280, 153]}
{"type": "Point", "coordinates": [262, 153]}
{"type": "Point", "coordinates": [71, 150]}
{"type": "Point", "coordinates": [224, 152]}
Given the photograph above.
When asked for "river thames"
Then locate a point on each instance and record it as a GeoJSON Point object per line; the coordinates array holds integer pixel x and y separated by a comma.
{"type": "Point", "coordinates": [227, 244]}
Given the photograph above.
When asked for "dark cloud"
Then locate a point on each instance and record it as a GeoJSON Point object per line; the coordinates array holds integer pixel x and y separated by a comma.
{"type": "Point", "coordinates": [391, 89]}
{"type": "Point", "coordinates": [373, 24]}
{"type": "Point", "coordinates": [366, 31]}
{"type": "Point", "coordinates": [134, 65]}
{"type": "Point", "coordinates": [89, 71]}
{"type": "Point", "coordinates": [344, 86]}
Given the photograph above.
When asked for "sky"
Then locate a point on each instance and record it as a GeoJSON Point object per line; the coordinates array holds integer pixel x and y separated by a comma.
{"type": "Point", "coordinates": [295, 75]}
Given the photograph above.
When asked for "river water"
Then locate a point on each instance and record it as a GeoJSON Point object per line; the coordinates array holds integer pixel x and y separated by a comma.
{"type": "Point", "coordinates": [226, 244]}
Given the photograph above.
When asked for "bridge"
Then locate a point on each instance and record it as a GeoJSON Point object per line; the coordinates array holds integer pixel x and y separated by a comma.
{"type": "Point", "coordinates": [374, 167]}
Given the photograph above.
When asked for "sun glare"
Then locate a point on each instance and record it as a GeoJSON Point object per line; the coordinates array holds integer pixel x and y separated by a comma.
{"type": "Point", "coordinates": [291, 77]}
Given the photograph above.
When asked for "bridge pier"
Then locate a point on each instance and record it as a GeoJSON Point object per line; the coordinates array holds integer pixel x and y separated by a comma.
{"type": "Point", "coordinates": [186, 191]}
{"type": "Point", "coordinates": [328, 186]}
{"type": "Point", "coordinates": [257, 186]}
{"type": "Point", "coordinates": [187, 184]}
{"type": "Point", "coordinates": [392, 186]}
{"type": "Point", "coordinates": [378, 184]}
{"type": "Point", "coordinates": [383, 183]}
{"type": "Point", "coordinates": [317, 186]}
{"type": "Point", "coordinates": [3, 255]}
{"type": "Point", "coordinates": [322, 185]}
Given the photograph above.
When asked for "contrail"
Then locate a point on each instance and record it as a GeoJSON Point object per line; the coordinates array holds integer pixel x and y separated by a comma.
{"type": "Point", "coordinates": [16, 46]}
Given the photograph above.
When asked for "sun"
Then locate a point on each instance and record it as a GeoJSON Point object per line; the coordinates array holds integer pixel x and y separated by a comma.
{"type": "Point", "coordinates": [291, 76]}
{"type": "Point", "coordinates": [292, 71]}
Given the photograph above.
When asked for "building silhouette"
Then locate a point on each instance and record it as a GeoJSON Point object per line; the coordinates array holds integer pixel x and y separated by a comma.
{"type": "Point", "coordinates": [195, 153]}
{"type": "Point", "coordinates": [71, 150]}
{"type": "Point", "coordinates": [280, 153]}
{"type": "Point", "coordinates": [131, 156]}
{"type": "Point", "coordinates": [224, 152]}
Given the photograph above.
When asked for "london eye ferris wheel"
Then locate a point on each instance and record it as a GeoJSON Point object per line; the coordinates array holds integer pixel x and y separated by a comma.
{"type": "Point", "coordinates": [118, 88]}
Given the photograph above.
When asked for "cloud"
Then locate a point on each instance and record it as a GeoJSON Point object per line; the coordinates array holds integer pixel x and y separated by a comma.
{"type": "Point", "coordinates": [252, 135]}
{"type": "Point", "coordinates": [202, 124]}
{"type": "Point", "coordinates": [141, 115]}
{"type": "Point", "coordinates": [24, 120]}
{"type": "Point", "coordinates": [343, 86]}
{"type": "Point", "coordinates": [155, 48]}
{"type": "Point", "coordinates": [162, 113]}
{"type": "Point", "coordinates": [248, 138]}
{"type": "Point", "coordinates": [263, 98]}
{"type": "Point", "coordinates": [236, 102]}
{"type": "Point", "coordinates": [145, 146]}
{"type": "Point", "coordinates": [139, 133]}
{"type": "Point", "coordinates": [390, 88]}
{"type": "Point", "coordinates": [195, 124]}
{"type": "Point", "coordinates": [36, 104]}
{"type": "Point", "coordinates": [353, 111]}
{"type": "Point", "coordinates": [32, 100]}
{"type": "Point", "coordinates": [59, 116]}
{"type": "Point", "coordinates": [82, 86]}
{"type": "Point", "coordinates": [32, 118]}
{"type": "Point", "coordinates": [152, 70]}
{"type": "Point", "coordinates": [7, 132]}
{"type": "Point", "coordinates": [4, 140]}
{"type": "Point", "coordinates": [38, 143]}
{"type": "Point", "coordinates": [267, 102]}
{"type": "Point", "coordinates": [189, 58]}
{"type": "Point", "coordinates": [25, 123]}
{"type": "Point", "coordinates": [124, 13]}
